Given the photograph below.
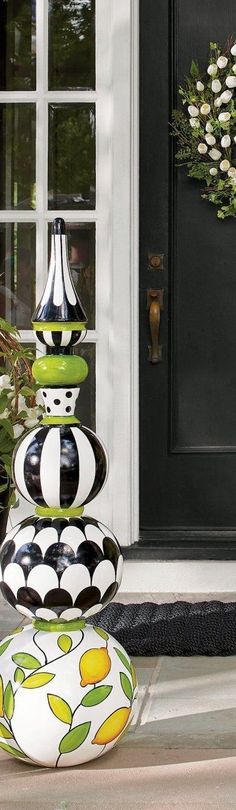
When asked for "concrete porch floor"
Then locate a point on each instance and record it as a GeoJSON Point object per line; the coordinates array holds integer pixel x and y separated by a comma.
{"type": "Point", "coordinates": [179, 754]}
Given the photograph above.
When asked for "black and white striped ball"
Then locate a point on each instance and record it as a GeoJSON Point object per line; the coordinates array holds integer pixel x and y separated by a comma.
{"type": "Point", "coordinates": [51, 567]}
{"type": "Point", "coordinates": [60, 466]}
{"type": "Point", "coordinates": [60, 339]}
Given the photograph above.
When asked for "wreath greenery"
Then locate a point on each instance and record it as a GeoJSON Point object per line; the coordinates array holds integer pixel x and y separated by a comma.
{"type": "Point", "coordinates": [206, 136]}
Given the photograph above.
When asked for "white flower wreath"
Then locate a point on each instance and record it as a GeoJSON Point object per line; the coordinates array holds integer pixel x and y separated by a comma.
{"type": "Point", "coordinates": [207, 136]}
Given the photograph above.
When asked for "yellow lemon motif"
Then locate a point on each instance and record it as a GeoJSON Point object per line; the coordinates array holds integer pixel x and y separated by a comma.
{"type": "Point", "coordinates": [113, 726]}
{"type": "Point", "coordinates": [94, 666]}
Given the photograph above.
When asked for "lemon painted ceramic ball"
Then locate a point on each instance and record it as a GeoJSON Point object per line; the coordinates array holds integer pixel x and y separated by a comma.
{"type": "Point", "coordinates": [67, 693]}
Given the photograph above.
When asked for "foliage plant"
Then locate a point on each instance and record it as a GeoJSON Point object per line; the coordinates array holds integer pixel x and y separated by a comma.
{"type": "Point", "coordinates": [18, 408]}
{"type": "Point", "coordinates": [206, 131]}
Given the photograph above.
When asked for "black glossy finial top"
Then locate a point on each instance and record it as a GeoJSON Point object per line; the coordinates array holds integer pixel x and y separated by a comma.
{"type": "Point", "coordinates": [58, 226]}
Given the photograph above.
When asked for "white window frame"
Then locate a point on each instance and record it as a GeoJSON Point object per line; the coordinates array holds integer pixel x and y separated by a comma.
{"type": "Point", "coordinates": [116, 218]}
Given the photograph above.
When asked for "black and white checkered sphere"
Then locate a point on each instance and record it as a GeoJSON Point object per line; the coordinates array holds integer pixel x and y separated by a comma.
{"type": "Point", "coordinates": [60, 567]}
{"type": "Point", "coordinates": [60, 466]}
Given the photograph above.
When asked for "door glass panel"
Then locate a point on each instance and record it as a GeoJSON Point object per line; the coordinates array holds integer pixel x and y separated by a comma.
{"type": "Point", "coordinates": [17, 150]}
{"type": "Point", "coordinates": [71, 165]}
{"type": "Point", "coordinates": [72, 45]}
{"type": "Point", "coordinates": [17, 45]}
{"type": "Point", "coordinates": [81, 245]}
{"type": "Point", "coordinates": [86, 403]}
{"type": "Point", "coordinates": [17, 273]}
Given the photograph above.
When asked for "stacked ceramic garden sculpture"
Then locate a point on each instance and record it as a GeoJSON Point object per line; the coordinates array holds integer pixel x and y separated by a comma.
{"type": "Point", "coordinates": [66, 687]}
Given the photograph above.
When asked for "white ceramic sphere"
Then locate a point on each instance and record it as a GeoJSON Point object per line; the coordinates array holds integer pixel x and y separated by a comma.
{"type": "Point", "coordinates": [67, 694]}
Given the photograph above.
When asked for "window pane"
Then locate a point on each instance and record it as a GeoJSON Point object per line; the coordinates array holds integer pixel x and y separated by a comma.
{"type": "Point", "coordinates": [71, 168]}
{"type": "Point", "coordinates": [17, 156]}
{"type": "Point", "coordinates": [86, 407]}
{"type": "Point", "coordinates": [17, 273]}
{"type": "Point", "coordinates": [17, 44]}
{"type": "Point", "coordinates": [72, 45]}
{"type": "Point", "coordinates": [81, 245]}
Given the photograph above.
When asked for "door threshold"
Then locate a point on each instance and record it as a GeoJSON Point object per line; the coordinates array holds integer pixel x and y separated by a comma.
{"type": "Point", "coordinates": [217, 547]}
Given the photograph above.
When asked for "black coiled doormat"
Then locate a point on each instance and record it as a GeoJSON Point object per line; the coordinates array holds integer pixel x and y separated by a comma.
{"type": "Point", "coordinates": [182, 628]}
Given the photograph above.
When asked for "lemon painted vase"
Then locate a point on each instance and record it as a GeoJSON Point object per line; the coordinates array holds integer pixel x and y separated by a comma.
{"type": "Point", "coordinates": [67, 693]}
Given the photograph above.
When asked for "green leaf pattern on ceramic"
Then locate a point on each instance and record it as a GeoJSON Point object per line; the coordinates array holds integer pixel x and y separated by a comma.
{"type": "Point", "coordinates": [5, 645]}
{"type": "Point", "coordinates": [64, 643]}
{"type": "Point", "coordinates": [96, 696]}
{"type": "Point", "coordinates": [126, 686]}
{"type": "Point", "coordinates": [74, 738]}
{"type": "Point", "coordinates": [60, 708]}
{"type": "Point", "coordinates": [13, 751]}
{"type": "Point", "coordinates": [1, 697]}
{"type": "Point", "coordinates": [19, 675]}
{"type": "Point", "coordinates": [101, 633]}
{"type": "Point", "coordinates": [5, 732]}
{"type": "Point", "coordinates": [123, 659]}
{"type": "Point", "coordinates": [37, 680]}
{"type": "Point", "coordinates": [25, 660]}
{"type": "Point", "coordinates": [8, 701]}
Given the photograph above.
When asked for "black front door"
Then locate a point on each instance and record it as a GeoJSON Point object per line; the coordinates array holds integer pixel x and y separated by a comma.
{"type": "Point", "coordinates": [188, 398]}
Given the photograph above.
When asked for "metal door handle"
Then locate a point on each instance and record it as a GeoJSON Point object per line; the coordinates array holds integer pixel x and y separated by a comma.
{"type": "Point", "coordinates": [154, 306]}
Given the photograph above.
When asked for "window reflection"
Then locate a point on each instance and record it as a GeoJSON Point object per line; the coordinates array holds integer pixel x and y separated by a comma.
{"type": "Point", "coordinates": [71, 167]}
{"type": "Point", "coordinates": [17, 273]}
{"type": "Point", "coordinates": [71, 45]}
{"type": "Point", "coordinates": [17, 44]}
{"type": "Point", "coordinates": [17, 150]}
{"type": "Point", "coordinates": [81, 247]}
{"type": "Point", "coordinates": [86, 403]}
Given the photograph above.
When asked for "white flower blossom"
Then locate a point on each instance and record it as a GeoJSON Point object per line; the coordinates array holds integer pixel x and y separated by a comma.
{"type": "Point", "coordinates": [17, 431]}
{"type": "Point", "coordinates": [202, 148]}
{"type": "Point", "coordinates": [4, 414]}
{"type": "Point", "coordinates": [225, 141]}
{"type": "Point", "coordinates": [234, 68]}
{"type": "Point", "coordinates": [233, 50]}
{"type": "Point", "coordinates": [212, 69]}
{"type": "Point", "coordinates": [210, 139]}
{"type": "Point", "coordinates": [213, 171]}
{"type": "Point", "coordinates": [224, 165]}
{"type": "Point", "coordinates": [205, 109]}
{"type": "Point", "coordinates": [194, 122]}
{"type": "Point", "coordinates": [193, 111]}
{"type": "Point", "coordinates": [209, 127]}
{"type": "Point", "coordinates": [218, 102]}
{"type": "Point", "coordinates": [232, 171]}
{"type": "Point", "coordinates": [5, 381]}
{"type": "Point", "coordinates": [224, 117]}
{"type": "Point", "coordinates": [230, 81]}
{"type": "Point", "coordinates": [216, 86]}
{"type": "Point", "coordinates": [200, 87]}
{"type": "Point", "coordinates": [215, 154]}
{"type": "Point", "coordinates": [226, 95]}
{"type": "Point", "coordinates": [222, 62]}
{"type": "Point", "coordinates": [30, 422]}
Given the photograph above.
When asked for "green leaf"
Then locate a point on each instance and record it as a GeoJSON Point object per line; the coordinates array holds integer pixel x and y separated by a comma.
{"type": "Point", "coordinates": [101, 633]}
{"type": "Point", "coordinates": [8, 701]}
{"type": "Point", "coordinates": [11, 750]}
{"type": "Point", "coordinates": [7, 327]}
{"type": "Point", "coordinates": [74, 738]}
{"type": "Point", "coordinates": [19, 675]}
{"type": "Point", "coordinates": [126, 685]}
{"type": "Point", "coordinates": [25, 660]}
{"type": "Point", "coordinates": [60, 708]}
{"type": "Point", "coordinates": [4, 732]}
{"type": "Point", "coordinates": [123, 659]}
{"type": "Point", "coordinates": [37, 680]}
{"type": "Point", "coordinates": [64, 643]}
{"type": "Point", "coordinates": [194, 69]}
{"type": "Point", "coordinates": [5, 645]}
{"type": "Point", "coordinates": [96, 696]}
